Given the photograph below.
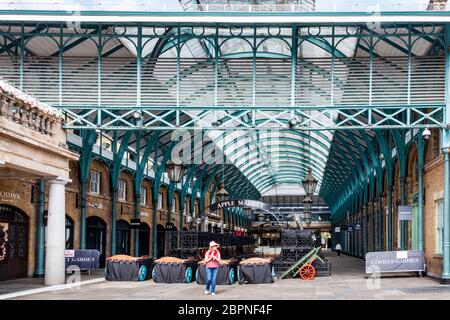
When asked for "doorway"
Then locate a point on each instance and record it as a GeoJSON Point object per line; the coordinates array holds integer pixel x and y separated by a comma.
{"type": "Point", "coordinates": [123, 236]}
{"type": "Point", "coordinates": [13, 243]}
{"type": "Point", "coordinates": [144, 240]}
{"type": "Point", "coordinates": [96, 237]}
{"type": "Point", "coordinates": [161, 240]}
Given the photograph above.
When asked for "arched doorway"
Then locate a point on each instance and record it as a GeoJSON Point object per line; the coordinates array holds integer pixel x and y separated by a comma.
{"type": "Point", "coordinates": [69, 233]}
{"type": "Point", "coordinates": [123, 236]}
{"type": "Point", "coordinates": [144, 239]}
{"type": "Point", "coordinates": [161, 240]}
{"type": "Point", "coordinates": [96, 236]}
{"type": "Point", "coordinates": [13, 243]}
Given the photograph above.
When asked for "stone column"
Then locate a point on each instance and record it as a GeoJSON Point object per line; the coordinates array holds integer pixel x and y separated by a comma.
{"type": "Point", "coordinates": [56, 228]}
{"type": "Point", "coordinates": [402, 222]}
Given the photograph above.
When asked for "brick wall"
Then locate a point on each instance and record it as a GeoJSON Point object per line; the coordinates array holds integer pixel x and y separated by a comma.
{"type": "Point", "coordinates": [98, 205]}
{"type": "Point", "coordinates": [434, 187]}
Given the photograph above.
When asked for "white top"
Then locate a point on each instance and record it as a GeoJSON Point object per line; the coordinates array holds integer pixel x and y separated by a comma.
{"type": "Point", "coordinates": [338, 246]}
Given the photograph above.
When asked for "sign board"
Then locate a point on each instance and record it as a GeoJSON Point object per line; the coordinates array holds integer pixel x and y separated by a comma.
{"type": "Point", "coordinates": [350, 228]}
{"type": "Point", "coordinates": [337, 229]}
{"type": "Point", "coordinates": [358, 226]}
{"type": "Point", "coordinates": [245, 203]}
{"type": "Point", "coordinates": [395, 261]}
{"type": "Point", "coordinates": [169, 226]}
{"type": "Point", "coordinates": [84, 259]}
{"type": "Point", "coordinates": [404, 213]}
{"type": "Point", "coordinates": [135, 223]}
{"type": "Point", "coordinates": [9, 196]}
{"type": "Point", "coordinates": [344, 227]}
{"type": "Point", "coordinates": [69, 253]}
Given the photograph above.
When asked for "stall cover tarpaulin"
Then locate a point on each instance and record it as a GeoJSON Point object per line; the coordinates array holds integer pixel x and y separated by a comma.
{"type": "Point", "coordinates": [223, 275]}
{"type": "Point", "coordinates": [84, 259]}
{"type": "Point", "coordinates": [256, 273]}
{"type": "Point", "coordinates": [128, 270]}
{"type": "Point", "coordinates": [172, 272]}
{"type": "Point", "coordinates": [395, 261]}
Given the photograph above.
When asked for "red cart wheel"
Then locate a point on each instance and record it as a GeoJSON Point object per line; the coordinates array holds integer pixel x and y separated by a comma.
{"type": "Point", "coordinates": [307, 272]}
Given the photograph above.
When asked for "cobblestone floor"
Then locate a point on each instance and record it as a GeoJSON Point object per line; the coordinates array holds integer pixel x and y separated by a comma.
{"type": "Point", "coordinates": [347, 281]}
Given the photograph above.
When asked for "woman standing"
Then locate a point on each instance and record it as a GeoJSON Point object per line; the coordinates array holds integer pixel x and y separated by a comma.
{"type": "Point", "coordinates": [212, 264]}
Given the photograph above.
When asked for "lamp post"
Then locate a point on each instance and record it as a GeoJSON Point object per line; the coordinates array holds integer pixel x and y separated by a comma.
{"type": "Point", "coordinates": [222, 194]}
{"type": "Point", "coordinates": [307, 202]}
{"type": "Point", "coordinates": [175, 170]}
{"type": "Point", "coordinates": [309, 185]}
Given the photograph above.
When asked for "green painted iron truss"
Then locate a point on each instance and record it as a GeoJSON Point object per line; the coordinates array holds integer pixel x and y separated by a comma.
{"type": "Point", "coordinates": [345, 86]}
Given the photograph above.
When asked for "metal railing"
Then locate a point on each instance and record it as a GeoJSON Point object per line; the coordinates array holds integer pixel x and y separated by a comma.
{"type": "Point", "coordinates": [291, 6]}
{"type": "Point", "coordinates": [348, 81]}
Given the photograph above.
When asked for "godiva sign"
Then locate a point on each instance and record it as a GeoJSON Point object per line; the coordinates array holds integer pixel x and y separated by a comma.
{"type": "Point", "coordinates": [9, 196]}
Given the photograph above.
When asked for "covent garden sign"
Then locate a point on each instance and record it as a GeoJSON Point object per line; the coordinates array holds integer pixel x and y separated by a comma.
{"type": "Point", "coordinates": [243, 203]}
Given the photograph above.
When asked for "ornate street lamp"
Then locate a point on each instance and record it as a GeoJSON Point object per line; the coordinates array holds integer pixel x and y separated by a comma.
{"type": "Point", "coordinates": [307, 218]}
{"type": "Point", "coordinates": [222, 194]}
{"type": "Point", "coordinates": [175, 169]}
{"type": "Point", "coordinates": [261, 217]}
{"type": "Point", "coordinates": [307, 202]}
{"type": "Point", "coordinates": [309, 183]}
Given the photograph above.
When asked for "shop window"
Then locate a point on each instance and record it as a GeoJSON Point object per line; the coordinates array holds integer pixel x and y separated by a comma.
{"type": "Point", "coordinates": [94, 185]}
{"type": "Point", "coordinates": [174, 202]}
{"type": "Point", "coordinates": [122, 191]}
{"type": "Point", "coordinates": [143, 196]}
{"type": "Point", "coordinates": [439, 225]}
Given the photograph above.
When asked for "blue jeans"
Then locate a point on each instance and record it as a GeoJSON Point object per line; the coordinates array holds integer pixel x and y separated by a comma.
{"type": "Point", "coordinates": [211, 277]}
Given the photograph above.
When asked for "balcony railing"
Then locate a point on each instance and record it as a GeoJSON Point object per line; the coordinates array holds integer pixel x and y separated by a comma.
{"type": "Point", "coordinates": [24, 110]}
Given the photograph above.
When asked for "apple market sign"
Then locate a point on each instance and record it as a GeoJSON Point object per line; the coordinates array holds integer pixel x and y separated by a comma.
{"type": "Point", "coordinates": [243, 203]}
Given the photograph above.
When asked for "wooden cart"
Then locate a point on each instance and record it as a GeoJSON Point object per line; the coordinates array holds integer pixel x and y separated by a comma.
{"type": "Point", "coordinates": [304, 266]}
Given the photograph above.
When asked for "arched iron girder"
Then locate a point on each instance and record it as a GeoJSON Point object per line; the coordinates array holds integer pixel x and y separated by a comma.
{"type": "Point", "coordinates": [369, 146]}
{"type": "Point", "coordinates": [240, 185]}
{"type": "Point", "coordinates": [344, 148]}
{"type": "Point", "coordinates": [286, 169]}
{"type": "Point", "coordinates": [387, 155]}
{"type": "Point", "coordinates": [300, 165]}
{"type": "Point", "coordinates": [252, 153]}
{"type": "Point", "coordinates": [269, 184]}
{"type": "Point", "coordinates": [248, 157]}
{"type": "Point", "coordinates": [205, 187]}
{"type": "Point", "coordinates": [319, 152]}
{"type": "Point", "coordinates": [287, 157]}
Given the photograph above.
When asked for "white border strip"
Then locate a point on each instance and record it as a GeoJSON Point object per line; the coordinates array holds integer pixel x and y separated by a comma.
{"type": "Point", "coordinates": [49, 288]}
{"type": "Point", "coordinates": [226, 19]}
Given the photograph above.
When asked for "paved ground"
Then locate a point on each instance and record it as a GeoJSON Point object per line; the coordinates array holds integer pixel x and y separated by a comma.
{"type": "Point", "coordinates": [348, 281]}
{"type": "Point", "coordinates": [18, 285]}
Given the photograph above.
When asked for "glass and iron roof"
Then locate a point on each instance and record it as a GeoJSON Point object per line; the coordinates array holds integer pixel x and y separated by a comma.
{"type": "Point", "coordinates": [258, 162]}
